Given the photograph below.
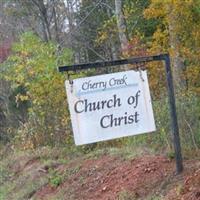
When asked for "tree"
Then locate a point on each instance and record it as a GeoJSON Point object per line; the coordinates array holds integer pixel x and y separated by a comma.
{"type": "Point", "coordinates": [121, 24]}
{"type": "Point", "coordinates": [173, 34]}
{"type": "Point", "coordinates": [46, 18]}
{"type": "Point", "coordinates": [32, 71]}
{"type": "Point", "coordinates": [89, 18]}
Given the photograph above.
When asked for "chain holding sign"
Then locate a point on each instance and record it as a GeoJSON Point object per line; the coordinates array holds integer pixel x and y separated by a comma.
{"type": "Point", "coordinates": [110, 106]}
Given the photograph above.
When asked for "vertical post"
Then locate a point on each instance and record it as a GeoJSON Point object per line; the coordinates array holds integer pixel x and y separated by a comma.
{"type": "Point", "coordinates": [174, 123]}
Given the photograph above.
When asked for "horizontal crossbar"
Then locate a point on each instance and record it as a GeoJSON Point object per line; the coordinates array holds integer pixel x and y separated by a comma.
{"type": "Point", "coordinates": [112, 63]}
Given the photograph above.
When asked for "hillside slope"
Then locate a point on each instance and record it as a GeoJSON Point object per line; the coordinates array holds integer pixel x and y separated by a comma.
{"type": "Point", "coordinates": [53, 174]}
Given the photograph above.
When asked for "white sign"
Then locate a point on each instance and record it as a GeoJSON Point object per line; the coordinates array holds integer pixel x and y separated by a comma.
{"type": "Point", "coordinates": [110, 106]}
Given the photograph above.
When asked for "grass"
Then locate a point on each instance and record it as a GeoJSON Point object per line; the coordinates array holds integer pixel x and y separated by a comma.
{"type": "Point", "coordinates": [127, 152]}
{"type": "Point", "coordinates": [23, 185]}
{"type": "Point", "coordinates": [19, 183]}
{"type": "Point", "coordinates": [16, 184]}
{"type": "Point", "coordinates": [126, 195]}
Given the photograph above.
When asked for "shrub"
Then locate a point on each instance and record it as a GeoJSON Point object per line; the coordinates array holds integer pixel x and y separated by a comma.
{"type": "Point", "coordinates": [33, 67]}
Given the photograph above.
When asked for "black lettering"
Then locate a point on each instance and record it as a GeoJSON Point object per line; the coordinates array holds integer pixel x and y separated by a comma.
{"type": "Point", "coordinates": [125, 118]}
{"type": "Point", "coordinates": [88, 106]}
{"type": "Point", "coordinates": [115, 122]}
{"type": "Point", "coordinates": [103, 103]}
{"type": "Point", "coordinates": [136, 117]}
{"type": "Point", "coordinates": [120, 121]}
{"type": "Point", "coordinates": [130, 119]}
{"type": "Point", "coordinates": [124, 79]}
{"type": "Point", "coordinates": [76, 106]}
{"type": "Point", "coordinates": [131, 100]}
{"type": "Point", "coordinates": [112, 82]}
{"type": "Point", "coordinates": [103, 121]}
{"type": "Point", "coordinates": [137, 97]}
{"type": "Point", "coordinates": [96, 106]}
{"type": "Point", "coordinates": [85, 85]}
{"type": "Point", "coordinates": [117, 101]}
{"type": "Point", "coordinates": [110, 102]}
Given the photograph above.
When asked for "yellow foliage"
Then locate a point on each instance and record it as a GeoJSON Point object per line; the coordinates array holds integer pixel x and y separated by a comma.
{"type": "Point", "coordinates": [183, 15]}
{"type": "Point", "coordinates": [33, 67]}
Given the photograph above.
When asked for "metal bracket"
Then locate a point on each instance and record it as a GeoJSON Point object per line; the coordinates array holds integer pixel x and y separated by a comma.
{"type": "Point", "coordinates": [172, 104]}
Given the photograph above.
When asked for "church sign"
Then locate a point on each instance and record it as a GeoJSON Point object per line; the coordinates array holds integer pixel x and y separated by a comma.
{"type": "Point", "coordinates": [110, 106]}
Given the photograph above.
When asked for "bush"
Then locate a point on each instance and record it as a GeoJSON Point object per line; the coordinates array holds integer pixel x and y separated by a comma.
{"type": "Point", "coordinates": [32, 66]}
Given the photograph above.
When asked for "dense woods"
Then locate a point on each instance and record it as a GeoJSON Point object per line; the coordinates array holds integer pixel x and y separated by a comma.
{"type": "Point", "coordinates": [37, 36]}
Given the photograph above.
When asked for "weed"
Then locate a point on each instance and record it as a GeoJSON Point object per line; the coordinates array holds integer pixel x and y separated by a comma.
{"type": "Point", "coordinates": [154, 198]}
{"type": "Point", "coordinates": [126, 195]}
{"type": "Point", "coordinates": [55, 178]}
{"type": "Point", "coordinates": [56, 181]}
{"type": "Point", "coordinates": [179, 189]}
{"type": "Point", "coordinates": [171, 155]}
{"type": "Point", "coordinates": [69, 172]}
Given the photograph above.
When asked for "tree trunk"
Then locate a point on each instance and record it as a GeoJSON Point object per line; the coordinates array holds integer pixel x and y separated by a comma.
{"type": "Point", "coordinates": [70, 17]}
{"type": "Point", "coordinates": [121, 25]}
{"type": "Point", "coordinates": [44, 18]}
{"type": "Point", "coordinates": [113, 46]}
{"type": "Point", "coordinates": [55, 23]}
{"type": "Point", "coordinates": [177, 62]}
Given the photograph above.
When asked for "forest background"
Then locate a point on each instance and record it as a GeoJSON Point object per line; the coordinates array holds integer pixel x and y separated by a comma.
{"type": "Point", "coordinates": [37, 36]}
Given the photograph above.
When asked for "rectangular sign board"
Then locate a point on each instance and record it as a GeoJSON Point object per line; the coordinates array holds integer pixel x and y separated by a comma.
{"type": "Point", "coordinates": [110, 106]}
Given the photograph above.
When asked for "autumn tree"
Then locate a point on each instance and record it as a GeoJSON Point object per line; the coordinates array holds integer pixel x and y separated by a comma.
{"type": "Point", "coordinates": [177, 33]}
{"type": "Point", "coordinates": [32, 71]}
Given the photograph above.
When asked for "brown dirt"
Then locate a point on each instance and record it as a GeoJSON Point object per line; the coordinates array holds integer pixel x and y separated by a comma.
{"type": "Point", "coordinates": [106, 177]}
{"type": "Point", "coordinates": [189, 186]}
{"type": "Point", "coordinates": [23, 164]}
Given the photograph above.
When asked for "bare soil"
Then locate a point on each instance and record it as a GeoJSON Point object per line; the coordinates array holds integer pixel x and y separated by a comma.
{"type": "Point", "coordinates": [112, 177]}
{"type": "Point", "coordinates": [107, 178]}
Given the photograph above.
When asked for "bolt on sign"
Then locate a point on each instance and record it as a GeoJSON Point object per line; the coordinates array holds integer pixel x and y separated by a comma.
{"type": "Point", "coordinates": [110, 106]}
